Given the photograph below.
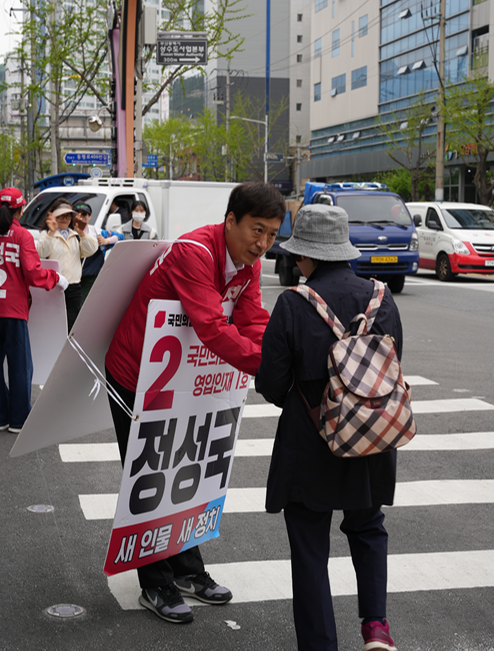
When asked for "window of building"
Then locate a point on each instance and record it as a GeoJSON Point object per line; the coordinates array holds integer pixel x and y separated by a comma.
{"type": "Point", "coordinates": [299, 38]}
{"type": "Point", "coordinates": [335, 50]}
{"type": "Point", "coordinates": [359, 77]}
{"type": "Point", "coordinates": [317, 92]}
{"type": "Point", "coordinates": [318, 47]}
{"type": "Point", "coordinates": [299, 18]}
{"type": "Point", "coordinates": [298, 139]}
{"type": "Point", "coordinates": [299, 83]}
{"type": "Point", "coordinates": [321, 4]}
{"type": "Point", "coordinates": [363, 22]}
{"type": "Point", "coordinates": [299, 107]}
{"type": "Point", "coordinates": [338, 84]}
{"type": "Point", "coordinates": [299, 58]}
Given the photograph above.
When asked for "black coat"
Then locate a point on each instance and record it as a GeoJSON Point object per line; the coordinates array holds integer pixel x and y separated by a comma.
{"type": "Point", "coordinates": [302, 467]}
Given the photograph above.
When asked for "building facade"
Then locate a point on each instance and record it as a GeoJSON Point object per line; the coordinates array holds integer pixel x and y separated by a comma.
{"type": "Point", "coordinates": [370, 61]}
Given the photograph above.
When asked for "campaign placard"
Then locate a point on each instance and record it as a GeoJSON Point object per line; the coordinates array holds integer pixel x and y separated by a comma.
{"type": "Point", "coordinates": [186, 418]}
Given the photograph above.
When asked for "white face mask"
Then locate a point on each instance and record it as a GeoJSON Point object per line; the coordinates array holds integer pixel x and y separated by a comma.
{"type": "Point", "coordinates": [138, 216]}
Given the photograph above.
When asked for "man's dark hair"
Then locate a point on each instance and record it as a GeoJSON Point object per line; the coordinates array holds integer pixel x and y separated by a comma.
{"type": "Point", "coordinates": [257, 199]}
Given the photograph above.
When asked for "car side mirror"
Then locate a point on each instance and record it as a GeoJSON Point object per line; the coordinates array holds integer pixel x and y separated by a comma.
{"type": "Point", "coordinates": [417, 220]}
{"type": "Point", "coordinates": [433, 225]}
{"type": "Point", "coordinates": [113, 222]}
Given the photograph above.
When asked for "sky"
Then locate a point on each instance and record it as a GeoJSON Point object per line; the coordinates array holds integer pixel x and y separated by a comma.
{"type": "Point", "coordinates": [7, 24]}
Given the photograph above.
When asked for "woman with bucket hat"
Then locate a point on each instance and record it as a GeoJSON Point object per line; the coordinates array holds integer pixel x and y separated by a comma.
{"type": "Point", "coordinates": [305, 479]}
{"type": "Point", "coordinates": [20, 269]}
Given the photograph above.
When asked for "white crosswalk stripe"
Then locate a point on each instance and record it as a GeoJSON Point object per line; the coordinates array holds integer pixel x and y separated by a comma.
{"type": "Point", "coordinates": [407, 572]}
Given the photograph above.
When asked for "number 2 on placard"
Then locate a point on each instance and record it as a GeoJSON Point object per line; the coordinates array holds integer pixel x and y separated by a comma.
{"type": "Point", "coordinates": [154, 397]}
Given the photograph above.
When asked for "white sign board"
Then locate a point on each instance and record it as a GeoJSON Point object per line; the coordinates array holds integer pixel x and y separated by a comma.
{"type": "Point", "coordinates": [179, 456]}
{"type": "Point", "coordinates": [47, 326]}
{"type": "Point", "coordinates": [65, 410]}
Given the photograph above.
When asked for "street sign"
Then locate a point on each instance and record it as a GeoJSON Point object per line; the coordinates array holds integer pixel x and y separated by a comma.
{"type": "Point", "coordinates": [274, 158]}
{"type": "Point", "coordinates": [83, 158]}
{"type": "Point", "coordinates": [152, 161]}
{"type": "Point", "coordinates": [182, 51]}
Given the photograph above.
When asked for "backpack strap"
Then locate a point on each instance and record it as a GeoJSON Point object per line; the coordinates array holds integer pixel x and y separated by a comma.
{"type": "Point", "coordinates": [322, 308]}
{"type": "Point", "coordinates": [365, 321]}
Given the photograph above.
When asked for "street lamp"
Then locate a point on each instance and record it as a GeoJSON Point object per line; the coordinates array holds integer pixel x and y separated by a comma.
{"type": "Point", "coordinates": [265, 122]}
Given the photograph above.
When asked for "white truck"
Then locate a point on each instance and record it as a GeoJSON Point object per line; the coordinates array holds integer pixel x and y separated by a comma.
{"type": "Point", "coordinates": [175, 207]}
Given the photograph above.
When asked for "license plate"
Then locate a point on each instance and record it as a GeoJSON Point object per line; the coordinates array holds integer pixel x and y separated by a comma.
{"type": "Point", "coordinates": [489, 263]}
{"type": "Point", "coordinates": [385, 258]}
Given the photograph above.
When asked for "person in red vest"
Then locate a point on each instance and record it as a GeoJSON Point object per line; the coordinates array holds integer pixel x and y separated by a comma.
{"type": "Point", "coordinates": [204, 269]}
{"type": "Point", "coordinates": [20, 268]}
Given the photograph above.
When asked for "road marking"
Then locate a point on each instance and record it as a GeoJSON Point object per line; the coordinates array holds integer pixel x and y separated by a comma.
{"type": "Point", "coordinates": [413, 381]}
{"type": "Point", "coordinates": [436, 492]}
{"type": "Point", "coordinates": [423, 572]}
{"type": "Point", "coordinates": [96, 452]}
{"type": "Point", "coordinates": [449, 405]}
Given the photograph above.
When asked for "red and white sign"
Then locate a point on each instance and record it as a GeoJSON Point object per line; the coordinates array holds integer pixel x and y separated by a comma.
{"type": "Point", "coordinates": [182, 440]}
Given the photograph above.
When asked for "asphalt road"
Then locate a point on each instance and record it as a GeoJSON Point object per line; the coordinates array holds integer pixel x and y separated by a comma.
{"type": "Point", "coordinates": [441, 587]}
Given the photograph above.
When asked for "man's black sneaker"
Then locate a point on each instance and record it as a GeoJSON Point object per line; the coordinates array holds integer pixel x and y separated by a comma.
{"type": "Point", "coordinates": [167, 603]}
{"type": "Point", "coordinates": [202, 587]}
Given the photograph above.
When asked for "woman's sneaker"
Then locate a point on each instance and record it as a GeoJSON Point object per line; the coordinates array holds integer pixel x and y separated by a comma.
{"type": "Point", "coordinates": [167, 603]}
{"type": "Point", "coordinates": [202, 587]}
{"type": "Point", "coordinates": [376, 637]}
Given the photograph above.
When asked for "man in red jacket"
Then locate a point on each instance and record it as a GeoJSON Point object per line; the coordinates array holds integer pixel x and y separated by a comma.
{"type": "Point", "coordinates": [204, 270]}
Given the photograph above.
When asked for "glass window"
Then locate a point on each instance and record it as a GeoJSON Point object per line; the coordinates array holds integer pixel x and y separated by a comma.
{"type": "Point", "coordinates": [336, 43]}
{"type": "Point", "coordinates": [338, 84]}
{"type": "Point", "coordinates": [298, 138]}
{"type": "Point", "coordinates": [299, 38]}
{"type": "Point", "coordinates": [299, 58]}
{"type": "Point", "coordinates": [318, 47]}
{"type": "Point", "coordinates": [359, 77]}
{"type": "Point", "coordinates": [299, 107]}
{"type": "Point", "coordinates": [299, 83]}
{"type": "Point", "coordinates": [382, 209]}
{"type": "Point", "coordinates": [481, 219]}
{"type": "Point", "coordinates": [321, 4]}
{"type": "Point", "coordinates": [299, 18]}
{"type": "Point", "coordinates": [317, 92]}
{"type": "Point", "coordinates": [363, 25]}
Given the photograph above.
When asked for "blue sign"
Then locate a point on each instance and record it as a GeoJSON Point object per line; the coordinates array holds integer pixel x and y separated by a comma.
{"type": "Point", "coordinates": [152, 161]}
{"type": "Point", "coordinates": [83, 158]}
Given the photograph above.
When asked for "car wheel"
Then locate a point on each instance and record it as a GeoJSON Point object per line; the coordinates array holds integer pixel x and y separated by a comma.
{"type": "Point", "coordinates": [396, 283]}
{"type": "Point", "coordinates": [443, 268]}
{"type": "Point", "coordinates": [287, 277]}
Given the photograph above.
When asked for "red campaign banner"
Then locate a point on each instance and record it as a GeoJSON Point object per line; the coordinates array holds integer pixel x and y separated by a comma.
{"type": "Point", "coordinates": [185, 424]}
{"type": "Point", "coordinates": [139, 544]}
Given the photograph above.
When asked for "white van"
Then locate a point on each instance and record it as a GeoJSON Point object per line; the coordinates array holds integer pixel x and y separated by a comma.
{"type": "Point", "coordinates": [454, 237]}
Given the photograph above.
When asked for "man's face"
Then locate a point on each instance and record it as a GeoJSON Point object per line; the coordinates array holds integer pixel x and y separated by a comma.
{"type": "Point", "coordinates": [249, 239]}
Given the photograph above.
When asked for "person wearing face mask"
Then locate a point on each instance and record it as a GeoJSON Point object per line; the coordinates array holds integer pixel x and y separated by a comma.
{"type": "Point", "coordinates": [136, 228]}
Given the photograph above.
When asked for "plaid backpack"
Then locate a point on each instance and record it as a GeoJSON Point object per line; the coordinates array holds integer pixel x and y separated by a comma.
{"type": "Point", "coordinates": [366, 404]}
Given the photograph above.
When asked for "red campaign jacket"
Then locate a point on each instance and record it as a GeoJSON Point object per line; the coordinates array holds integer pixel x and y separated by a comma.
{"type": "Point", "coordinates": [195, 275]}
{"type": "Point", "coordinates": [20, 269]}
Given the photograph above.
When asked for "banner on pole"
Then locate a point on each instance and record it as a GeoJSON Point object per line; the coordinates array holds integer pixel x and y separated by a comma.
{"type": "Point", "coordinates": [181, 445]}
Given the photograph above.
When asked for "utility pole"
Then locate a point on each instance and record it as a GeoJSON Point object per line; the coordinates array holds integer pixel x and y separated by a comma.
{"type": "Point", "coordinates": [227, 125]}
{"type": "Point", "coordinates": [30, 115]}
{"type": "Point", "coordinates": [53, 110]}
{"type": "Point", "coordinates": [440, 148]}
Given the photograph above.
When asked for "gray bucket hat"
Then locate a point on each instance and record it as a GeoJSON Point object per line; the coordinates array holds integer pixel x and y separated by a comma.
{"type": "Point", "coordinates": [321, 233]}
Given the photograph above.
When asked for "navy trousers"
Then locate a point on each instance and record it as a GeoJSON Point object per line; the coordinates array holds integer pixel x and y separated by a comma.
{"type": "Point", "coordinates": [160, 573]}
{"type": "Point", "coordinates": [308, 533]}
{"type": "Point", "coordinates": [15, 401]}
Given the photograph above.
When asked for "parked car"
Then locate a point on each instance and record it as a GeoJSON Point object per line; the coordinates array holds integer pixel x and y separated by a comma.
{"type": "Point", "coordinates": [454, 237]}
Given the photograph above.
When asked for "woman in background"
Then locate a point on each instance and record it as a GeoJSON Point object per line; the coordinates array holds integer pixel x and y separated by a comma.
{"type": "Point", "coordinates": [64, 239]}
{"type": "Point", "coordinates": [136, 228]}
